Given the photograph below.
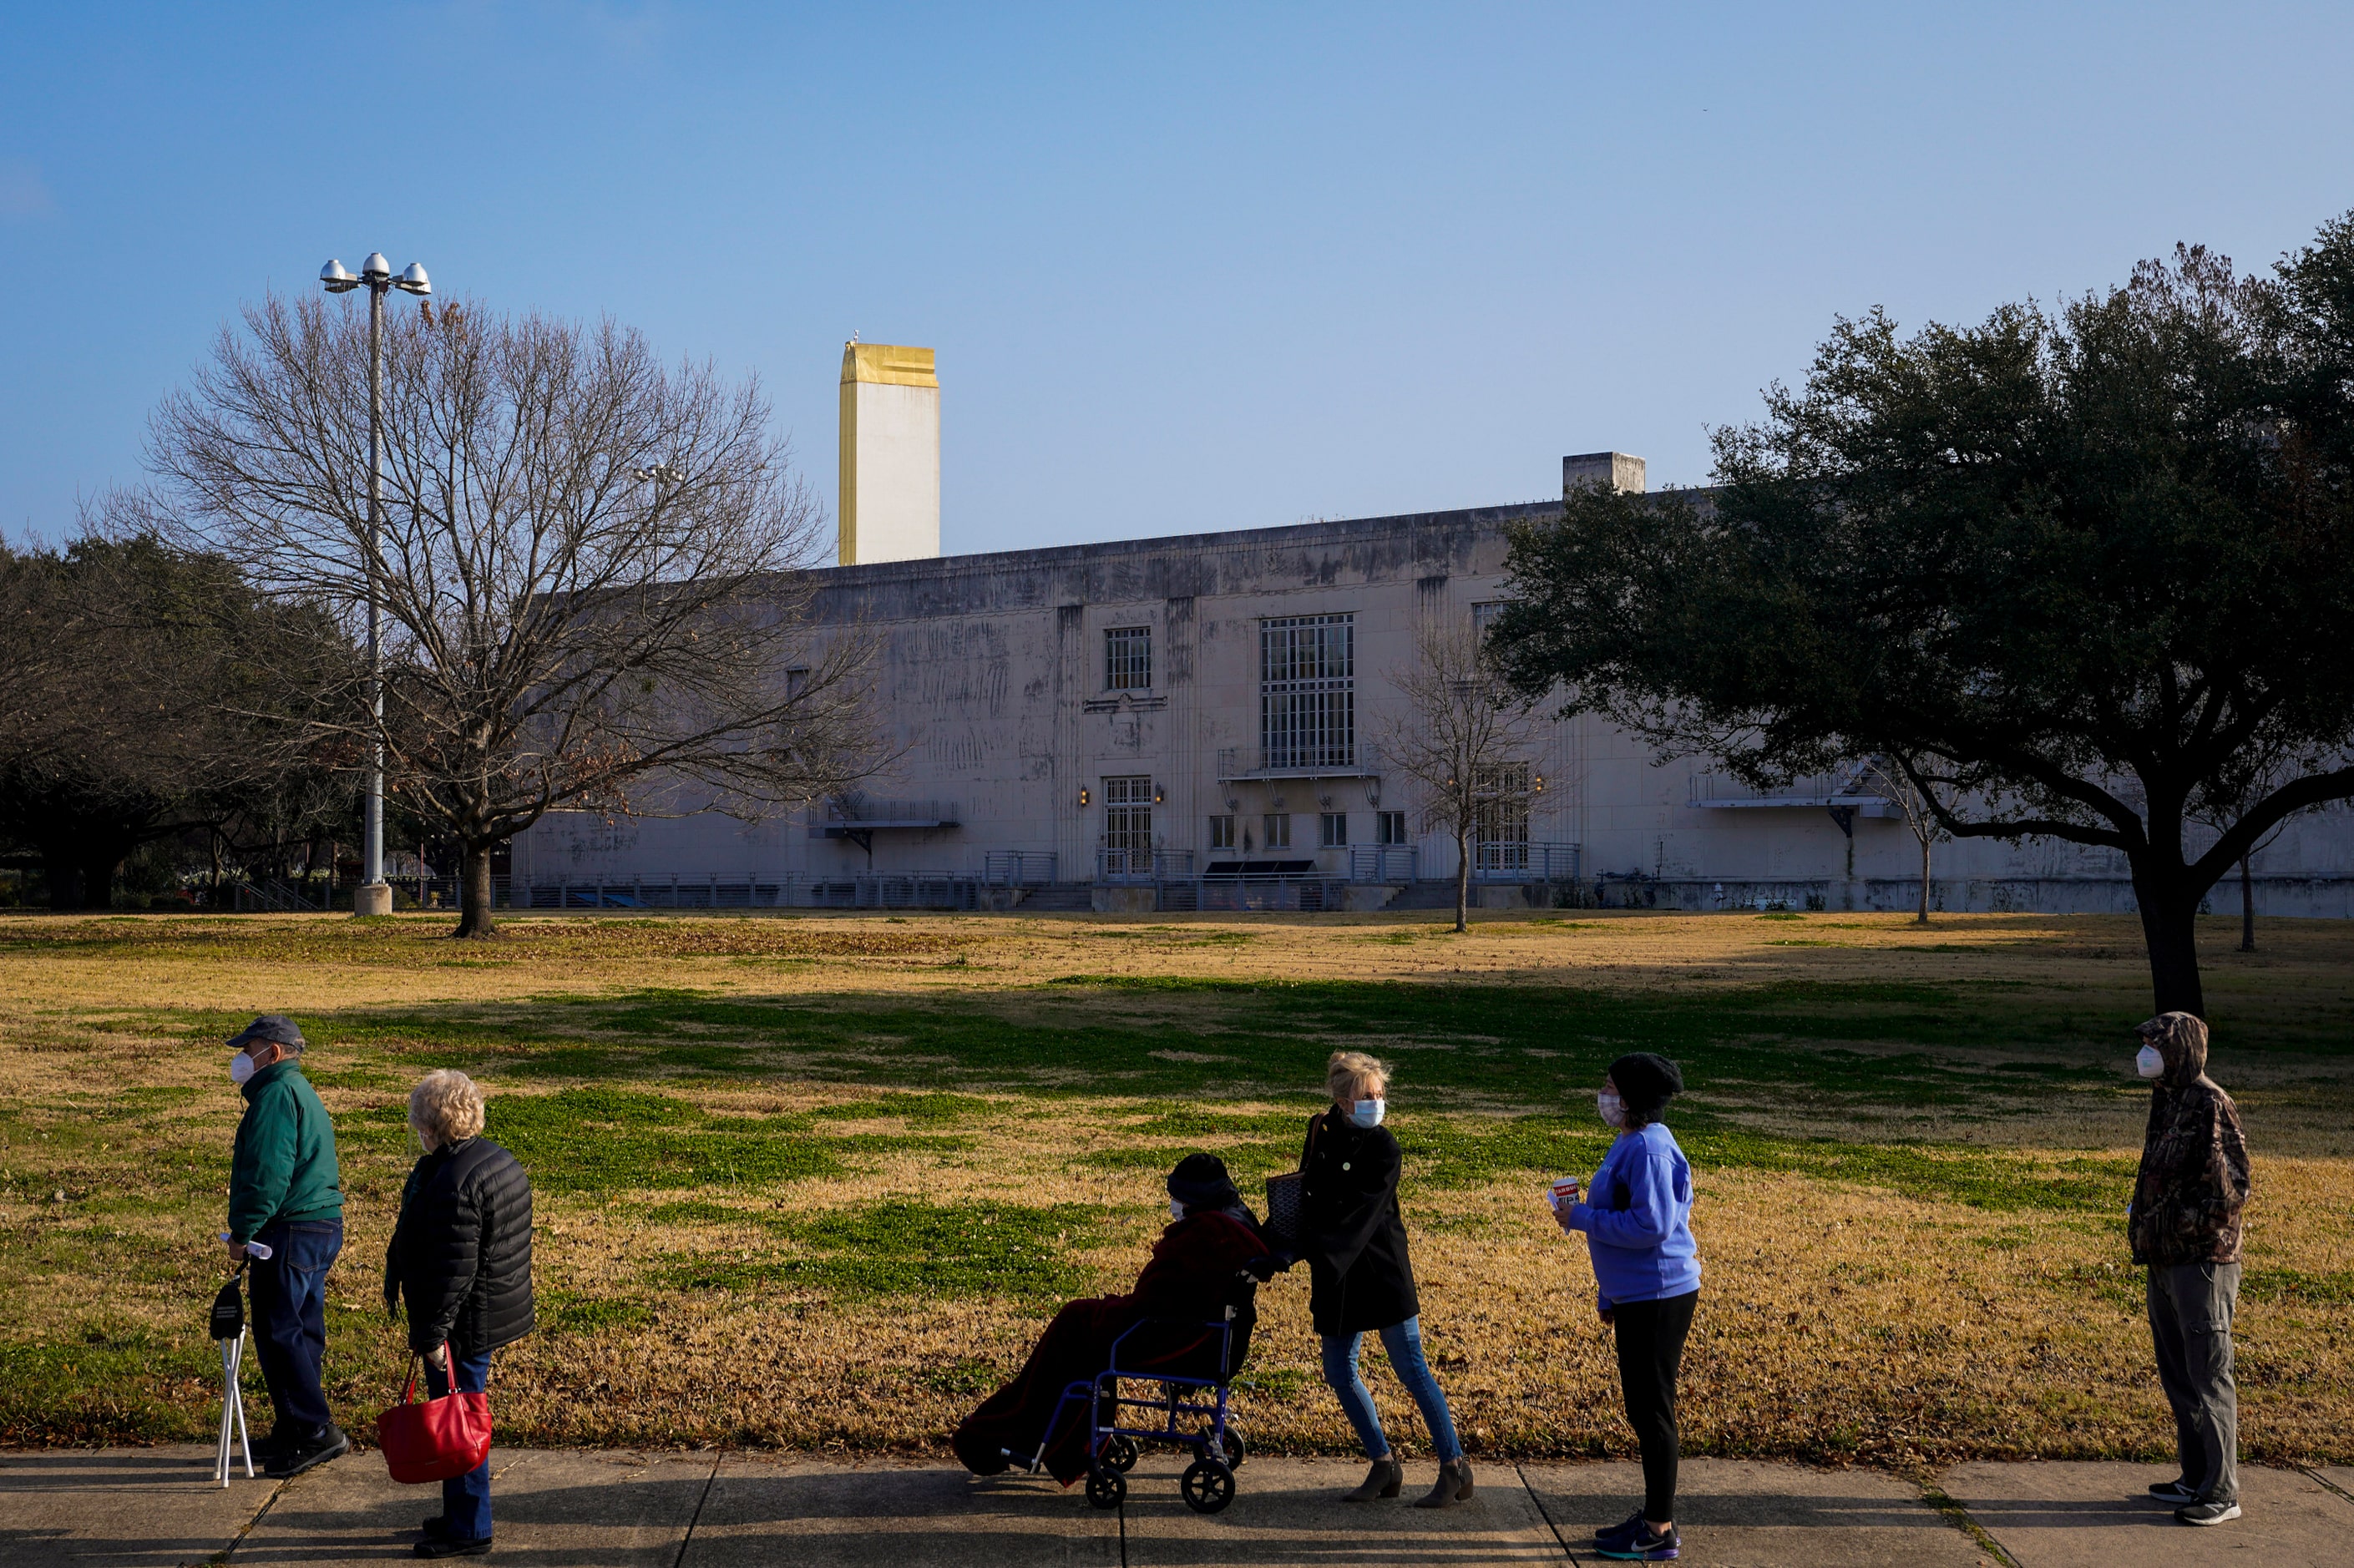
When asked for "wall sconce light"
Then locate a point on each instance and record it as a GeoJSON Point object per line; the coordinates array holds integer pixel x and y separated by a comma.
{"type": "Point", "coordinates": [1538, 788]}
{"type": "Point", "coordinates": [1156, 792]}
{"type": "Point", "coordinates": [1083, 794]}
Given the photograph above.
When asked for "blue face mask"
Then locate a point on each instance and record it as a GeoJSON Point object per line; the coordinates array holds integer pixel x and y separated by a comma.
{"type": "Point", "coordinates": [1368, 1113]}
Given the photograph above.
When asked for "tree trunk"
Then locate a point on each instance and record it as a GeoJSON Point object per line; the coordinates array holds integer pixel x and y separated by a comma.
{"type": "Point", "coordinates": [474, 891]}
{"type": "Point", "coordinates": [1924, 881]}
{"type": "Point", "coordinates": [64, 877]}
{"type": "Point", "coordinates": [2247, 908]}
{"type": "Point", "coordinates": [2169, 925]}
{"type": "Point", "coordinates": [98, 869]}
{"type": "Point", "coordinates": [1462, 879]}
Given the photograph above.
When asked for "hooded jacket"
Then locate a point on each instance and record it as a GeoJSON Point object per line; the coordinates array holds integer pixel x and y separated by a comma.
{"type": "Point", "coordinates": [2194, 1160]}
{"type": "Point", "coordinates": [462, 1250]}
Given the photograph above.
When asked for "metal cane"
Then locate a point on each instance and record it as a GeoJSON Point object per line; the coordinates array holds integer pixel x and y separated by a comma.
{"type": "Point", "coordinates": [232, 1412]}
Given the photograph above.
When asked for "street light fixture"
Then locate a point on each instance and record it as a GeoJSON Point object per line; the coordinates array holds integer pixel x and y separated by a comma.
{"type": "Point", "coordinates": [373, 895]}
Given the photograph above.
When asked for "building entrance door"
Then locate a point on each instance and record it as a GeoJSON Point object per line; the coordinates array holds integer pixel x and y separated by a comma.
{"type": "Point", "coordinates": [1127, 827]}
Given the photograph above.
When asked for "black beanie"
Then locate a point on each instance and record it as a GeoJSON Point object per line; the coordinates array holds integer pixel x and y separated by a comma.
{"type": "Point", "coordinates": [1200, 1182]}
{"type": "Point", "coordinates": [1646, 1082]}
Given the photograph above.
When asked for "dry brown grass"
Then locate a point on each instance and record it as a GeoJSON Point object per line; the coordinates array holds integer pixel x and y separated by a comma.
{"type": "Point", "coordinates": [1840, 1320]}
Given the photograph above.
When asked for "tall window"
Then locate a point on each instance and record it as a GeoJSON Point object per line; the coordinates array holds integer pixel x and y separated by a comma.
{"type": "Point", "coordinates": [1333, 830]}
{"type": "Point", "coordinates": [1222, 831]}
{"type": "Point", "coordinates": [1503, 818]}
{"type": "Point", "coordinates": [1128, 659]}
{"type": "Point", "coordinates": [1307, 692]}
{"type": "Point", "coordinates": [1389, 827]}
{"type": "Point", "coordinates": [1128, 824]}
{"type": "Point", "coordinates": [1277, 828]}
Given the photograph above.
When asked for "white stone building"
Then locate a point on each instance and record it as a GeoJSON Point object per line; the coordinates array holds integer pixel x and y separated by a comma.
{"type": "Point", "coordinates": [1194, 722]}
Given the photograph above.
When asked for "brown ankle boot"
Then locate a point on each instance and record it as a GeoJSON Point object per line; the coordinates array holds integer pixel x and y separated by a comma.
{"type": "Point", "coordinates": [1454, 1486]}
{"type": "Point", "coordinates": [1382, 1481]}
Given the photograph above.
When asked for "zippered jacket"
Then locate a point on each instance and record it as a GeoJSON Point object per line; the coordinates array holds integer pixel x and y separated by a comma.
{"type": "Point", "coordinates": [283, 1168]}
{"type": "Point", "coordinates": [462, 1250]}
{"type": "Point", "coordinates": [2193, 1182]}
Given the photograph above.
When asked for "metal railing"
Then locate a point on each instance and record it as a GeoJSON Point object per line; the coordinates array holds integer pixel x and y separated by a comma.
{"type": "Point", "coordinates": [865, 811]}
{"type": "Point", "coordinates": [1520, 861]}
{"type": "Point", "coordinates": [1135, 865]}
{"type": "Point", "coordinates": [1364, 762]}
{"type": "Point", "coordinates": [1382, 863]}
{"type": "Point", "coordinates": [1018, 868]}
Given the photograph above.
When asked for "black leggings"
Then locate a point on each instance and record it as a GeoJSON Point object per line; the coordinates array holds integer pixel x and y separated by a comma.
{"type": "Point", "coordinates": [1650, 1352]}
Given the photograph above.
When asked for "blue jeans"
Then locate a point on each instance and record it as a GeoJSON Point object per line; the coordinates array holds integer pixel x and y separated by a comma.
{"type": "Point", "coordinates": [465, 1500]}
{"type": "Point", "coordinates": [1403, 1342]}
{"type": "Point", "coordinates": [289, 1317]}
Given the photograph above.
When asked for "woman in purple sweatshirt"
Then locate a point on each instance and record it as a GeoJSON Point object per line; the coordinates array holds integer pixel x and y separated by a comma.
{"type": "Point", "coordinates": [1638, 1222]}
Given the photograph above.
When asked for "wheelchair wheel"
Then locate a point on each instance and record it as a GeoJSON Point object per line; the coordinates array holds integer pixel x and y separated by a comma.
{"type": "Point", "coordinates": [1107, 1489]}
{"type": "Point", "coordinates": [1206, 1485]}
{"type": "Point", "coordinates": [1234, 1446]}
{"type": "Point", "coordinates": [1121, 1454]}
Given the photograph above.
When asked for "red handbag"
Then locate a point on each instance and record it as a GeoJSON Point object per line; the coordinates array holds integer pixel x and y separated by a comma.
{"type": "Point", "coordinates": [435, 1440]}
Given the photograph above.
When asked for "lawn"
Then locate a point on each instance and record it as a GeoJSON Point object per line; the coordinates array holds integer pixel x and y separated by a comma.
{"type": "Point", "coordinates": [814, 1180]}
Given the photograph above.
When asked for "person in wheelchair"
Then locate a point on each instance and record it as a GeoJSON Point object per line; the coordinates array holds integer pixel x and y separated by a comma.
{"type": "Point", "coordinates": [1211, 1256]}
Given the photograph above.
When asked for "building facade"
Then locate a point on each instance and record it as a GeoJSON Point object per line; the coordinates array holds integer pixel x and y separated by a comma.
{"type": "Point", "coordinates": [1196, 722]}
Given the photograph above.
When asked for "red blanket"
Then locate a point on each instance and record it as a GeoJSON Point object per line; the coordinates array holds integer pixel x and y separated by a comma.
{"type": "Point", "coordinates": [1197, 1273]}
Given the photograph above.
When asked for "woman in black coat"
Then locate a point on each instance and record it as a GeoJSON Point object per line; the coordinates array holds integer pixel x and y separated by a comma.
{"type": "Point", "coordinates": [462, 1253]}
{"type": "Point", "coordinates": [1361, 1280]}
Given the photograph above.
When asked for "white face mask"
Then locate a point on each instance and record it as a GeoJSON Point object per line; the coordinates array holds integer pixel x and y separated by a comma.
{"type": "Point", "coordinates": [1368, 1113]}
{"type": "Point", "coordinates": [1176, 1210]}
{"type": "Point", "coordinates": [240, 1068]}
{"type": "Point", "coordinates": [1612, 1108]}
{"type": "Point", "coordinates": [2149, 1063]}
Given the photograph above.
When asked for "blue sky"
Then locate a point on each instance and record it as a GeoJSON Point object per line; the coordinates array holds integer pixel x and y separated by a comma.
{"type": "Point", "coordinates": [1185, 268]}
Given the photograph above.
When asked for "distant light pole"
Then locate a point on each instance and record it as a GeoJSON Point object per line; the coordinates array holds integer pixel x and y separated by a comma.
{"type": "Point", "coordinates": [373, 895]}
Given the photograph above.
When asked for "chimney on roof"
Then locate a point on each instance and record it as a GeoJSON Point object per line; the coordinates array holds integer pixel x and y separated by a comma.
{"type": "Point", "coordinates": [1613, 471]}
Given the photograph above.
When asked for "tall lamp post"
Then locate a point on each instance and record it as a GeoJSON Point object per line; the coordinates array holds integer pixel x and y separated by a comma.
{"type": "Point", "coordinates": [373, 895]}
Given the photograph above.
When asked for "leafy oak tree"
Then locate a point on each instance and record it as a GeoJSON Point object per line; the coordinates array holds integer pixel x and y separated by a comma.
{"type": "Point", "coordinates": [2068, 572]}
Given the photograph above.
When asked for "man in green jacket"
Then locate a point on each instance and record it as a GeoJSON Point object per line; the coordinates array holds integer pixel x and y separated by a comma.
{"type": "Point", "coordinates": [286, 1218]}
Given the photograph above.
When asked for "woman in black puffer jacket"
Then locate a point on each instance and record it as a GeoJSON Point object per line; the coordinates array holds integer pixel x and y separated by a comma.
{"type": "Point", "coordinates": [461, 1254]}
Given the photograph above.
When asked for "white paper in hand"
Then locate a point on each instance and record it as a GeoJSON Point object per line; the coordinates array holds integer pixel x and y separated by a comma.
{"type": "Point", "coordinates": [261, 1250]}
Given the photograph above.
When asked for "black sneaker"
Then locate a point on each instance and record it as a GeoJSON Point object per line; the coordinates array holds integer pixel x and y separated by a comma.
{"type": "Point", "coordinates": [2178, 1493]}
{"type": "Point", "coordinates": [1647, 1545]}
{"type": "Point", "coordinates": [442, 1546]}
{"type": "Point", "coordinates": [2207, 1513]}
{"type": "Point", "coordinates": [327, 1442]}
{"type": "Point", "coordinates": [1626, 1529]}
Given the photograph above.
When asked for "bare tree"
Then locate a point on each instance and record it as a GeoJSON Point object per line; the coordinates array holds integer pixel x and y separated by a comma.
{"type": "Point", "coordinates": [2226, 797]}
{"type": "Point", "coordinates": [1917, 798]}
{"type": "Point", "coordinates": [1463, 740]}
{"type": "Point", "coordinates": [589, 564]}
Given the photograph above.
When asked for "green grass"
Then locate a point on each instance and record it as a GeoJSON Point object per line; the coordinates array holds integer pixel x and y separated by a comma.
{"type": "Point", "coordinates": [903, 1248]}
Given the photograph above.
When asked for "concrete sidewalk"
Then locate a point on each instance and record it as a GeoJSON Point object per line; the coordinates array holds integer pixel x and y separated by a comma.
{"type": "Point", "coordinates": [156, 1507]}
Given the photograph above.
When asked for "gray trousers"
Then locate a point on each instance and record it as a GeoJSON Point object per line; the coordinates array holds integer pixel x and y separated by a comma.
{"type": "Point", "coordinates": [2190, 1321]}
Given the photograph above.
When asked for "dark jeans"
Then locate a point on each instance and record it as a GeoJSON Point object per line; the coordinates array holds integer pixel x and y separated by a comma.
{"type": "Point", "coordinates": [2190, 1321]}
{"type": "Point", "coordinates": [465, 1500]}
{"type": "Point", "coordinates": [290, 1319]}
{"type": "Point", "coordinates": [1650, 1353]}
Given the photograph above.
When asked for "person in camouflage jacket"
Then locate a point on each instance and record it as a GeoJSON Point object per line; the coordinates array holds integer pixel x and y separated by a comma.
{"type": "Point", "coordinates": [2184, 1226]}
{"type": "Point", "coordinates": [2194, 1162]}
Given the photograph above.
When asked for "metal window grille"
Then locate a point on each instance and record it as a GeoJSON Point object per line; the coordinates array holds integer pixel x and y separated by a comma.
{"type": "Point", "coordinates": [1128, 823]}
{"type": "Point", "coordinates": [1503, 818]}
{"type": "Point", "coordinates": [1307, 692]}
{"type": "Point", "coordinates": [1333, 830]}
{"type": "Point", "coordinates": [1128, 659]}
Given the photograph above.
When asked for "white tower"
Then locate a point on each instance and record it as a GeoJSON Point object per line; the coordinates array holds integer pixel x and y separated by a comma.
{"type": "Point", "coordinates": [890, 487]}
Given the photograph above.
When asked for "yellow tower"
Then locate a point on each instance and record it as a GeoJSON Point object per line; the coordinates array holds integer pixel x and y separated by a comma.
{"type": "Point", "coordinates": [890, 485]}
